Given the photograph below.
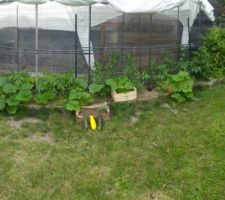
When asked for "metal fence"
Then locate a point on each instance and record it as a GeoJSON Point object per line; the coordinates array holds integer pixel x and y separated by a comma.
{"type": "Point", "coordinates": [62, 40]}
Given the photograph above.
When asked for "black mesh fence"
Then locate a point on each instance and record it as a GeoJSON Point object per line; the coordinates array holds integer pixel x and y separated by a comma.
{"type": "Point", "coordinates": [72, 39]}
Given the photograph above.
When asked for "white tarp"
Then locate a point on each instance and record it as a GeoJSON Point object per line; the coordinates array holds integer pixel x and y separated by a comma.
{"type": "Point", "coordinates": [49, 12]}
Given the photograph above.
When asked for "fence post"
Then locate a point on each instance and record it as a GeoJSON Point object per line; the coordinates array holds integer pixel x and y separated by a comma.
{"type": "Point", "coordinates": [189, 40]}
{"type": "Point", "coordinates": [178, 31]}
{"type": "Point", "coordinates": [17, 38]}
{"type": "Point", "coordinates": [140, 49]}
{"type": "Point", "coordinates": [149, 52]}
{"type": "Point", "coordinates": [75, 47]}
{"type": "Point", "coordinates": [122, 48]}
{"type": "Point", "coordinates": [199, 19]}
{"type": "Point", "coordinates": [36, 41]}
{"type": "Point", "coordinates": [89, 47]}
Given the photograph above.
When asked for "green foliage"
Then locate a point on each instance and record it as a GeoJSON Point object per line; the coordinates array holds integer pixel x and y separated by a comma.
{"type": "Point", "coordinates": [132, 72]}
{"type": "Point", "coordinates": [44, 97]}
{"type": "Point", "coordinates": [50, 85]}
{"type": "Point", "coordinates": [107, 69]}
{"type": "Point", "coordinates": [55, 82]}
{"type": "Point", "coordinates": [157, 73]}
{"type": "Point", "coordinates": [120, 84]}
{"type": "Point", "coordinates": [15, 88]}
{"type": "Point", "coordinates": [179, 86]}
{"type": "Point", "coordinates": [95, 88]}
{"type": "Point", "coordinates": [104, 71]}
{"type": "Point", "coordinates": [78, 97]}
{"type": "Point", "coordinates": [209, 61]}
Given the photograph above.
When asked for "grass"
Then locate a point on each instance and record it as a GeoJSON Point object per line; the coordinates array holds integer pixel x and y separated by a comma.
{"type": "Point", "coordinates": [145, 152]}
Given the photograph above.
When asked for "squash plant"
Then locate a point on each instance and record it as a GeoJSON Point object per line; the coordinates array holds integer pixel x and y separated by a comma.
{"type": "Point", "coordinates": [51, 85]}
{"type": "Point", "coordinates": [120, 84]}
{"type": "Point", "coordinates": [78, 98]}
{"type": "Point", "coordinates": [179, 86]}
{"type": "Point", "coordinates": [15, 88]}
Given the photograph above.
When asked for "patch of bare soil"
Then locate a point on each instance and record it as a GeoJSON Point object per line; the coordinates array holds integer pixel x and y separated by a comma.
{"type": "Point", "coordinates": [148, 95]}
{"type": "Point", "coordinates": [48, 137]}
{"type": "Point", "coordinates": [154, 196]}
{"type": "Point", "coordinates": [135, 118]}
{"type": "Point", "coordinates": [17, 124]}
{"type": "Point", "coordinates": [100, 172]}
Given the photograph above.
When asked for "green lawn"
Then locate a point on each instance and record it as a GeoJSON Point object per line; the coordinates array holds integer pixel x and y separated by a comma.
{"type": "Point", "coordinates": [146, 152]}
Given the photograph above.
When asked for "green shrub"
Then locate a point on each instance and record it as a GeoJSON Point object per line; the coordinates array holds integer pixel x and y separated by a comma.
{"type": "Point", "coordinates": [78, 98]}
{"type": "Point", "coordinates": [179, 86]}
{"type": "Point", "coordinates": [50, 85]}
{"type": "Point", "coordinates": [120, 84]}
{"type": "Point", "coordinates": [109, 69]}
{"type": "Point", "coordinates": [133, 73]}
{"type": "Point", "coordinates": [15, 88]}
{"type": "Point", "coordinates": [209, 61]}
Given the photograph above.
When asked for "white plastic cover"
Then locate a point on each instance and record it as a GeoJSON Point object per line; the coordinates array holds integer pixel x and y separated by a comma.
{"type": "Point", "coordinates": [187, 9]}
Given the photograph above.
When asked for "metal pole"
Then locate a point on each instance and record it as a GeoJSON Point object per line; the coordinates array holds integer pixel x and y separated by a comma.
{"type": "Point", "coordinates": [150, 56]}
{"type": "Point", "coordinates": [76, 35]}
{"type": "Point", "coordinates": [189, 42]}
{"type": "Point", "coordinates": [199, 19]}
{"type": "Point", "coordinates": [17, 38]}
{"type": "Point", "coordinates": [122, 40]}
{"type": "Point", "coordinates": [139, 37]}
{"type": "Point", "coordinates": [36, 41]}
{"type": "Point", "coordinates": [178, 21]}
{"type": "Point", "coordinates": [89, 48]}
{"type": "Point", "coordinates": [178, 31]}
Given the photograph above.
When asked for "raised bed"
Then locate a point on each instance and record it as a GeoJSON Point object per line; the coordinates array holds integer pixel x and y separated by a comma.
{"type": "Point", "coordinates": [96, 110]}
{"type": "Point", "coordinates": [122, 97]}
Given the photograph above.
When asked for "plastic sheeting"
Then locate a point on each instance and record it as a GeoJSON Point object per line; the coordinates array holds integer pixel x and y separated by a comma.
{"type": "Point", "coordinates": [188, 9]}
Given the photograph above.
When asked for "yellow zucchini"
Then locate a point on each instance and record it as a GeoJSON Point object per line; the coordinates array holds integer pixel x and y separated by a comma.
{"type": "Point", "coordinates": [93, 123]}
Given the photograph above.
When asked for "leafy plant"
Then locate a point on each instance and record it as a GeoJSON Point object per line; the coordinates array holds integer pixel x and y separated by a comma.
{"type": "Point", "coordinates": [51, 85]}
{"type": "Point", "coordinates": [132, 72]}
{"type": "Point", "coordinates": [15, 88]}
{"type": "Point", "coordinates": [95, 88]}
{"type": "Point", "coordinates": [78, 98]}
{"type": "Point", "coordinates": [44, 97]}
{"type": "Point", "coordinates": [120, 84]}
{"type": "Point", "coordinates": [208, 62]}
{"type": "Point", "coordinates": [104, 71]}
{"type": "Point", "coordinates": [179, 86]}
{"type": "Point", "coordinates": [157, 73]}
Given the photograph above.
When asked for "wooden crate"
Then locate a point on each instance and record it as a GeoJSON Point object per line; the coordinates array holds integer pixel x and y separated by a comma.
{"type": "Point", "coordinates": [122, 97]}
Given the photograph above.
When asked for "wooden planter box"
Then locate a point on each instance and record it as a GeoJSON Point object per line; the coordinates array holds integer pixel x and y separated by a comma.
{"type": "Point", "coordinates": [122, 97]}
{"type": "Point", "coordinates": [95, 110]}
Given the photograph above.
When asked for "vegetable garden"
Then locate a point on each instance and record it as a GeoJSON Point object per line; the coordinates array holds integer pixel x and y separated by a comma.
{"type": "Point", "coordinates": [170, 149]}
{"type": "Point", "coordinates": [64, 90]}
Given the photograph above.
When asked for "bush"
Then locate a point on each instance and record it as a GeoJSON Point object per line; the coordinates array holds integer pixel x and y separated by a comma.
{"type": "Point", "coordinates": [209, 61]}
{"type": "Point", "coordinates": [179, 86]}
{"type": "Point", "coordinates": [15, 88]}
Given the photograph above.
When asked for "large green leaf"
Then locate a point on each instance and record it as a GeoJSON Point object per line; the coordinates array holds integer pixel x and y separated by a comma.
{"type": "Point", "coordinates": [24, 95]}
{"type": "Point", "coordinates": [82, 83]}
{"type": "Point", "coordinates": [2, 103]}
{"type": "Point", "coordinates": [27, 86]}
{"type": "Point", "coordinates": [12, 101]}
{"type": "Point", "coordinates": [11, 109]}
{"type": "Point", "coordinates": [95, 88]}
{"type": "Point", "coordinates": [178, 98]}
{"type": "Point", "coordinates": [9, 88]}
{"type": "Point", "coordinates": [78, 94]}
{"type": "Point", "coordinates": [3, 81]}
{"type": "Point", "coordinates": [43, 98]}
{"type": "Point", "coordinates": [73, 106]}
